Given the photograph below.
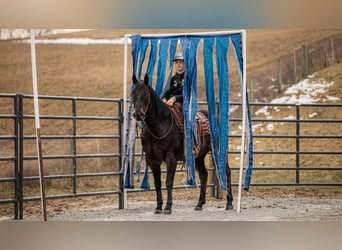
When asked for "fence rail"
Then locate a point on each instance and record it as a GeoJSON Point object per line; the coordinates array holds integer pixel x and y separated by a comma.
{"type": "Point", "coordinates": [16, 157]}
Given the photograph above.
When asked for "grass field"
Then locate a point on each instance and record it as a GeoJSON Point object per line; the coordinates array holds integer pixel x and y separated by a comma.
{"type": "Point", "coordinates": [97, 71]}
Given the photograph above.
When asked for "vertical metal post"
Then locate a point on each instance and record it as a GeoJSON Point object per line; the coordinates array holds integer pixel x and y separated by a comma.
{"type": "Point", "coordinates": [37, 123]}
{"type": "Point", "coordinates": [294, 66]}
{"type": "Point", "coordinates": [244, 118]}
{"type": "Point", "coordinates": [16, 153]}
{"type": "Point", "coordinates": [280, 85]}
{"type": "Point", "coordinates": [216, 188]}
{"type": "Point", "coordinates": [332, 51]}
{"type": "Point", "coordinates": [21, 158]}
{"type": "Point", "coordinates": [121, 193]}
{"type": "Point", "coordinates": [297, 142]}
{"type": "Point", "coordinates": [304, 62]}
{"type": "Point", "coordinates": [325, 52]}
{"type": "Point", "coordinates": [74, 160]}
{"type": "Point", "coordinates": [125, 118]}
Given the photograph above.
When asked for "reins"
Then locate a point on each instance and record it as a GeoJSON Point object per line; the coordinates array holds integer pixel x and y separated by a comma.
{"type": "Point", "coordinates": [153, 135]}
{"type": "Point", "coordinates": [160, 137]}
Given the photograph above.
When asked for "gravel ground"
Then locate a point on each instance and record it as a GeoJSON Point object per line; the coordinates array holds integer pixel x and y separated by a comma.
{"type": "Point", "coordinates": [253, 209]}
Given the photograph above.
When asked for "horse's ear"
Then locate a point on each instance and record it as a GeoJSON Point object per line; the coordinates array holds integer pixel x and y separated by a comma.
{"type": "Point", "coordinates": [135, 80]}
{"type": "Point", "coordinates": [146, 80]}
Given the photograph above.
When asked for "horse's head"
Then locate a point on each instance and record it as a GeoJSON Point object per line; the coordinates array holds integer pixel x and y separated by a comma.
{"type": "Point", "coordinates": [141, 97]}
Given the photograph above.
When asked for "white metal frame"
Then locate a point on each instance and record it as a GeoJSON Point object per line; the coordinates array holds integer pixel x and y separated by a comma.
{"type": "Point", "coordinates": [244, 101]}
{"type": "Point", "coordinates": [37, 121]}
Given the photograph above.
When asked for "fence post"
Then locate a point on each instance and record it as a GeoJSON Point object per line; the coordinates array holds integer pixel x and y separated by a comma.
{"type": "Point", "coordinates": [121, 193]}
{"type": "Point", "coordinates": [21, 156]}
{"type": "Point", "coordinates": [215, 179]}
{"type": "Point", "coordinates": [16, 153]}
{"type": "Point", "coordinates": [295, 66]}
{"type": "Point", "coordinates": [332, 51]}
{"type": "Point", "coordinates": [325, 52]}
{"type": "Point", "coordinates": [304, 61]}
{"type": "Point", "coordinates": [297, 142]}
{"type": "Point", "coordinates": [74, 160]}
{"type": "Point", "coordinates": [279, 76]}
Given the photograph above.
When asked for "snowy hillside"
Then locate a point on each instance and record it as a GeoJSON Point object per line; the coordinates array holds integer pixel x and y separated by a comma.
{"type": "Point", "coordinates": [6, 34]}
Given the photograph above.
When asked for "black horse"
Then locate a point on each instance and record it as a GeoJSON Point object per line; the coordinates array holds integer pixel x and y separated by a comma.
{"type": "Point", "coordinates": [162, 141]}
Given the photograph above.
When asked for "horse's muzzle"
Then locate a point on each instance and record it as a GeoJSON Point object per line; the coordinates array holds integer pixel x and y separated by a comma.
{"type": "Point", "coordinates": [139, 116]}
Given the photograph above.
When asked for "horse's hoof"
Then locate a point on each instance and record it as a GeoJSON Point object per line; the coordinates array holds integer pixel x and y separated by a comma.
{"type": "Point", "coordinates": [157, 211]}
{"type": "Point", "coordinates": [166, 211]}
{"type": "Point", "coordinates": [198, 208]}
{"type": "Point", "coordinates": [229, 207]}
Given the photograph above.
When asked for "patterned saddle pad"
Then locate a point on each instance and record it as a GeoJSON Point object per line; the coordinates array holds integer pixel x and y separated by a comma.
{"type": "Point", "coordinates": [202, 122]}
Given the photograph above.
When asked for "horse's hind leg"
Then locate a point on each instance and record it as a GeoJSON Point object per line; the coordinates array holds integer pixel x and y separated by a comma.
{"type": "Point", "coordinates": [203, 175]}
{"type": "Point", "coordinates": [157, 184]}
{"type": "Point", "coordinates": [229, 204]}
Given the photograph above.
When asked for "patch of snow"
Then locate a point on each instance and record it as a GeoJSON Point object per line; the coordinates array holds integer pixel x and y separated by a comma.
{"type": "Point", "coordinates": [276, 109]}
{"type": "Point", "coordinates": [232, 110]}
{"type": "Point", "coordinates": [312, 115]}
{"type": "Point", "coordinates": [270, 127]}
{"type": "Point", "coordinates": [290, 117]}
{"type": "Point", "coordinates": [6, 34]}
{"type": "Point", "coordinates": [255, 126]}
{"type": "Point", "coordinates": [262, 111]}
{"type": "Point", "coordinates": [331, 98]}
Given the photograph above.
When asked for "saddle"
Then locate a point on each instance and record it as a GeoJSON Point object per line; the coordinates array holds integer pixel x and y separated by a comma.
{"type": "Point", "coordinates": [202, 125]}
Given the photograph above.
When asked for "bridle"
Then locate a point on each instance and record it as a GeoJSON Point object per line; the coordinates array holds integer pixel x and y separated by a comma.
{"type": "Point", "coordinates": [147, 128]}
{"type": "Point", "coordinates": [160, 137]}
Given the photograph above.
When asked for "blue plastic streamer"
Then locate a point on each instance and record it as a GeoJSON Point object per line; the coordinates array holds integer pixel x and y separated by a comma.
{"type": "Point", "coordinates": [136, 39]}
{"type": "Point", "coordinates": [144, 46]}
{"type": "Point", "coordinates": [191, 178]}
{"type": "Point", "coordinates": [193, 80]}
{"type": "Point", "coordinates": [237, 42]}
{"type": "Point", "coordinates": [152, 60]}
{"type": "Point", "coordinates": [136, 42]}
{"type": "Point", "coordinates": [192, 76]}
{"type": "Point", "coordinates": [222, 71]}
{"type": "Point", "coordinates": [208, 45]}
{"type": "Point", "coordinates": [145, 184]}
{"type": "Point", "coordinates": [173, 47]}
{"type": "Point", "coordinates": [163, 53]}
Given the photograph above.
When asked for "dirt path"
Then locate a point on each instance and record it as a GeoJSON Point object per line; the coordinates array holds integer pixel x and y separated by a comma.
{"type": "Point", "coordinates": [253, 209]}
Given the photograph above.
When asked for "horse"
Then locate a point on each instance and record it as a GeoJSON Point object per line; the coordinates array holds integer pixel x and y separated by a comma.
{"type": "Point", "coordinates": [162, 141]}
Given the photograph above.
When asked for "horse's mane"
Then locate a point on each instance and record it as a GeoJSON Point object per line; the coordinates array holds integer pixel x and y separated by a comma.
{"type": "Point", "coordinates": [161, 108]}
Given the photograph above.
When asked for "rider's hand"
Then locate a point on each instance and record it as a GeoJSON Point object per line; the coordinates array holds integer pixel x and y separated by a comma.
{"type": "Point", "coordinates": [171, 101]}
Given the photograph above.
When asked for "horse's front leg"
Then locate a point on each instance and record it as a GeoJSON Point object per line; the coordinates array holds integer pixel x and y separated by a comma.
{"type": "Point", "coordinates": [157, 184]}
{"type": "Point", "coordinates": [171, 164]}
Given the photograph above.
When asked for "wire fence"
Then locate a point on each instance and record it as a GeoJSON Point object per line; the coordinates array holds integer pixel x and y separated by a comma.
{"type": "Point", "coordinates": [289, 69]}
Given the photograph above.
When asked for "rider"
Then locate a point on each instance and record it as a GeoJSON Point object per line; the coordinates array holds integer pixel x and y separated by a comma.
{"type": "Point", "coordinates": [175, 93]}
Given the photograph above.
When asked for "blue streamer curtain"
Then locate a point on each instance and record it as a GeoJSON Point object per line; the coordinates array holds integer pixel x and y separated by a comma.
{"type": "Point", "coordinates": [166, 47]}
